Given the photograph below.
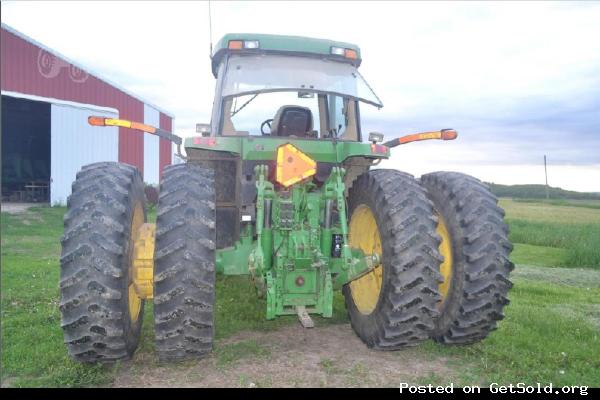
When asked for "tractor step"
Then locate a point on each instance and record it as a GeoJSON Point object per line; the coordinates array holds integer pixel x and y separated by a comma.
{"type": "Point", "coordinates": [304, 318]}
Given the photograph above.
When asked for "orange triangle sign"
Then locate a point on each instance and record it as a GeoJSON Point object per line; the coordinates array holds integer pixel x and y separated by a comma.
{"type": "Point", "coordinates": [293, 165]}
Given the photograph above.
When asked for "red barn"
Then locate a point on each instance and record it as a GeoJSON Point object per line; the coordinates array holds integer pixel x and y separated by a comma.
{"type": "Point", "coordinates": [46, 99]}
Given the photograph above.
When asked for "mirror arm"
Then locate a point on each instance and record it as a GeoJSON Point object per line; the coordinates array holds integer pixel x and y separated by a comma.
{"type": "Point", "coordinates": [444, 134]}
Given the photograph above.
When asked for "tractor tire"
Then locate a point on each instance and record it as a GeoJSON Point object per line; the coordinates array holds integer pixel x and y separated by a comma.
{"type": "Point", "coordinates": [184, 263]}
{"type": "Point", "coordinates": [476, 276]}
{"type": "Point", "coordinates": [101, 320]}
{"type": "Point", "coordinates": [393, 306]}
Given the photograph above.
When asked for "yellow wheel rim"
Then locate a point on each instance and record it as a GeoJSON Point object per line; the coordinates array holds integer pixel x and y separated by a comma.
{"type": "Point", "coordinates": [445, 249]}
{"type": "Point", "coordinates": [364, 235]}
{"type": "Point", "coordinates": [134, 301]}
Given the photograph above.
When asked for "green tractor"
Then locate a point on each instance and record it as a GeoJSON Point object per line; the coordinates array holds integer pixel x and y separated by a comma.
{"type": "Point", "coordinates": [288, 197]}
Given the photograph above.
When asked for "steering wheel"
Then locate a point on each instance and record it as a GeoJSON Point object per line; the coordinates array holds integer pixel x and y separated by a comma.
{"type": "Point", "coordinates": [266, 122]}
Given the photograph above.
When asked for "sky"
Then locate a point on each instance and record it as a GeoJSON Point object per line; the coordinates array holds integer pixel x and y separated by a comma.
{"type": "Point", "coordinates": [517, 80]}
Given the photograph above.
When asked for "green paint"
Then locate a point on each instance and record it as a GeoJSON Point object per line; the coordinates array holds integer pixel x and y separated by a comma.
{"type": "Point", "coordinates": [290, 261]}
{"type": "Point", "coordinates": [234, 260]}
{"type": "Point", "coordinates": [282, 43]}
{"type": "Point", "coordinates": [287, 252]}
{"type": "Point", "coordinates": [265, 148]}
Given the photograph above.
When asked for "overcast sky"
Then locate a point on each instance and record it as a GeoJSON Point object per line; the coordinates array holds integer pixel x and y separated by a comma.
{"type": "Point", "coordinates": [517, 80]}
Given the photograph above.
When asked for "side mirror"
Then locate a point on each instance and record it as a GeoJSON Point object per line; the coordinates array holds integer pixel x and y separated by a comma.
{"type": "Point", "coordinates": [375, 137]}
{"type": "Point", "coordinates": [203, 129]}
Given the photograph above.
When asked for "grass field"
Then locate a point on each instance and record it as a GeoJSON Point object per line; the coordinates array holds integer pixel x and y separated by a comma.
{"type": "Point", "coordinates": [551, 332]}
{"type": "Point", "coordinates": [563, 233]}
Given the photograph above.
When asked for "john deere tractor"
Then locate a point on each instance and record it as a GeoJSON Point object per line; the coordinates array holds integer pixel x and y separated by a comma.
{"type": "Point", "coordinates": [280, 187]}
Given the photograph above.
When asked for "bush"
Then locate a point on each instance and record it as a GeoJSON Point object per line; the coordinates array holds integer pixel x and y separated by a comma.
{"type": "Point", "coordinates": [151, 195]}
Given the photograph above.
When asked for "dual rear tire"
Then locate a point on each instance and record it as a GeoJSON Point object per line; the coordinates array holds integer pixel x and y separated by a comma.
{"type": "Point", "coordinates": [184, 263]}
{"type": "Point", "coordinates": [476, 249]}
{"type": "Point", "coordinates": [101, 311]}
{"type": "Point", "coordinates": [101, 316]}
{"type": "Point", "coordinates": [444, 250]}
{"type": "Point", "coordinates": [394, 305]}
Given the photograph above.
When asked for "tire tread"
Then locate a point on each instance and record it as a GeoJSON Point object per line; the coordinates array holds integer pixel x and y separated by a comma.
{"type": "Point", "coordinates": [184, 272]}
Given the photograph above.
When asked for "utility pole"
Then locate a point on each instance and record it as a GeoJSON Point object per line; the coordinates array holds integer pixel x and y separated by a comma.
{"type": "Point", "coordinates": [546, 173]}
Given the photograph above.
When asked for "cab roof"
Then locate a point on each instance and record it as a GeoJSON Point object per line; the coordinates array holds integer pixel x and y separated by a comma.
{"type": "Point", "coordinates": [283, 44]}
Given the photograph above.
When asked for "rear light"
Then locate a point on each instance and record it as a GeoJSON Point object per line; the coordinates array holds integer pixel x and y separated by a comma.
{"type": "Point", "coordinates": [205, 141]}
{"type": "Point", "coordinates": [346, 53]}
{"type": "Point", "coordinates": [236, 44]}
{"type": "Point", "coordinates": [379, 149]}
{"type": "Point", "coordinates": [449, 134]}
{"type": "Point", "coordinates": [349, 53]}
{"type": "Point", "coordinates": [96, 121]}
{"type": "Point", "coordinates": [243, 44]}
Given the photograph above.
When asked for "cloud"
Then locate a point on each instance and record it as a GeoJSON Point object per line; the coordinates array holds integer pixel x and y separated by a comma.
{"type": "Point", "coordinates": [517, 80]}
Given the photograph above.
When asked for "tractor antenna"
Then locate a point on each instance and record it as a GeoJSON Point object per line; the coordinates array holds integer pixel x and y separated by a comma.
{"type": "Point", "coordinates": [210, 29]}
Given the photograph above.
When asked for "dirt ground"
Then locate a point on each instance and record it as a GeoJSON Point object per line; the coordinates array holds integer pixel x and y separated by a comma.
{"type": "Point", "coordinates": [329, 356]}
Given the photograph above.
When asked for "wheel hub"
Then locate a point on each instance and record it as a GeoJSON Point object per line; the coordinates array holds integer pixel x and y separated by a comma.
{"type": "Point", "coordinates": [364, 235]}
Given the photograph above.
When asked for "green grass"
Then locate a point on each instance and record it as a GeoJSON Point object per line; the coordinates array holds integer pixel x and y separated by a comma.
{"type": "Point", "coordinates": [581, 242]}
{"type": "Point", "coordinates": [539, 192]}
{"type": "Point", "coordinates": [573, 233]}
{"type": "Point", "coordinates": [527, 254]}
{"type": "Point", "coordinates": [33, 353]}
{"type": "Point", "coordinates": [238, 309]}
{"type": "Point", "coordinates": [542, 212]}
{"type": "Point", "coordinates": [583, 278]}
{"type": "Point", "coordinates": [32, 350]}
{"type": "Point", "coordinates": [595, 204]}
{"type": "Point", "coordinates": [551, 331]}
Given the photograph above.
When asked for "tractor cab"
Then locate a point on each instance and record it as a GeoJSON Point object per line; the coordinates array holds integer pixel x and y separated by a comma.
{"type": "Point", "coordinates": [286, 86]}
{"type": "Point", "coordinates": [275, 94]}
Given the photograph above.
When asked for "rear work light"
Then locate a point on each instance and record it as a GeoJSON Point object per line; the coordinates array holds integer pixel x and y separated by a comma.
{"type": "Point", "coordinates": [243, 44]}
{"type": "Point", "coordinates": [347, 53]}
{"type": "Point", "coordinates": [251, 44]}
{"type": "Point", "coordinates": [338, 51]}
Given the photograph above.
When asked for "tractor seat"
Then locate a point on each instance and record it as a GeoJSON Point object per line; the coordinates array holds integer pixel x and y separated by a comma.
{"type": "Point", "coordinates": [292, 120]}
